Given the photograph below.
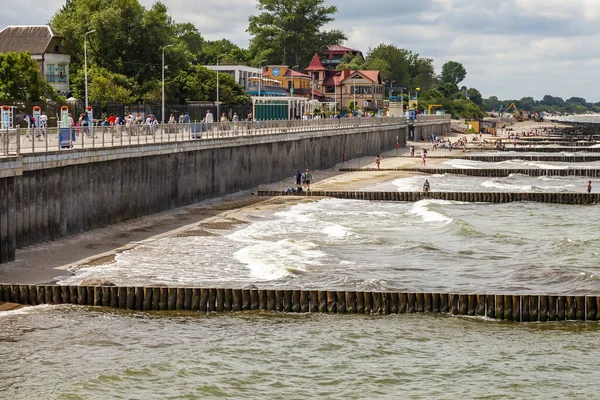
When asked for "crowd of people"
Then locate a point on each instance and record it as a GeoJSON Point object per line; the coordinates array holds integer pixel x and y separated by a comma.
{"type": "Point", "coordinates": [303, 179]}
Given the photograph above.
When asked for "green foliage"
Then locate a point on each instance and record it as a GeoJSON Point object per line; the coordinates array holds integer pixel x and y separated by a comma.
{"type": "Point", "coordinates": [453, 72]}
{"type": "Point", "coordinates": [555, 105]}
{"type": "Point", "coordinates": [200, 84]}
{"type": "Point", "coordinates": [291, 31]}
{"type": "Point", "coordinates": [230, 53]}
{"type": "Point", "coordinates": [20, 79]}
{"type": "Point", "coordinates": [107, 87]}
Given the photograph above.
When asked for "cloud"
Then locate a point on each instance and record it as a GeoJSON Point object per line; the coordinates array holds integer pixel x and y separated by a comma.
{"type": "Point", "coordinates": [510, 48]}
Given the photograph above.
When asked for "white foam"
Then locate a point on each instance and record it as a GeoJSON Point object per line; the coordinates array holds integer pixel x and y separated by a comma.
{"type": "Point", "coordinates": [505, 186]}
{"type": "Point", "coordinates": [269, 261]}
{"type": "Point", "coordinates": [408, 184]}
{"type": "Point", "coordinates": [461, 163]}
{"type": "Point", "coordinates": [421, 209]}
{"type": "Point", "coordinates": [336, 231]}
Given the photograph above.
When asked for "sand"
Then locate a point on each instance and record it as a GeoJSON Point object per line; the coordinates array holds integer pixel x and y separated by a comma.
{"type": "Point", "coordinates": [45, 262]}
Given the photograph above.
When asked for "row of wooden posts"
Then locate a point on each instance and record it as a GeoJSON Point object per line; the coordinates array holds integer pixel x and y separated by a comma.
{"type": "Point", "coordinates": [524, 157]}
{"type": "Point", "coordinates": [469, 197]}
{"type": "Point", "coordinates": [520, 308]}
{"type": "Point", "coordinates": [487, 172]}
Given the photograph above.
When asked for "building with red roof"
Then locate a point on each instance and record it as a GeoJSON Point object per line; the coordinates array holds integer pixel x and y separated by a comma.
{"type": "Point", "coordinates": [333, 55]}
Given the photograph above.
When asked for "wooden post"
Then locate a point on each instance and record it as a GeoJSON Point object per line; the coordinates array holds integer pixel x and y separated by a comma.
{"type": "Point", "coordinates": [499, 299]}
{"type": "Point", "coordinates": [288, 301]}
{"type": "Point", "coordinates": [412, 303]}
{"type": "Point", "coordinates": [279, 300]}
{"type": "Point", "coordinates": [147, 306]}
{"type": "Point", "coordinates": [180, 299]}
{"type": "Point", "coordinates": [427, 302]}
{"type": "Point", "coordinates": [122, 297]}
{"type": "Point", "coordinates": [106, 296]}
{"type": "Point", "coordinates": [331, 301]}
{"type": "Point", "coordinates": [516, 308]}
{"type": "Point", "coordinates": [471, 304]}
{"type": "Point", "coordinates": [420, 302]}
{"type": "Point", "coordinates": [351, 302]}
{"type": "Point", "coordinates": [187, 299]}
{"type": "Point", "coordinates": [195, 299]}
{"type": "Point", "coordinates": [360, 302]}
{"type": "Point", "coordinates": [534, 311]}
{"type": "Point", "coordinates": [463, 304]}
{"type": "Point", "coordinates": [227, 299]}
{"type": "Point", "coordinates": [172, 298]}
{"type": "Point", "coordinates": [341, 302]}
{"type": "Point", "coordinates": [156, 298]}
{"type": "Point", "coordinates": [590, 305]}
{"type": "Point", "coordinates": [220, 306]}
{"type": "Point", "coordinates": [236, 300]}
{"type": "Point", "coordinates": [212, 298]}
{"type": "Point", "coordinates": [24, 294]}
{"type": "Point", "coordinates": [97, 296]}
{"type": "Point", "coordinates": [314, 301]}
{"type": "Point", "coordinates": [368, 302]}
{"type": "Point", "coordinates": [543, 311]}
{"type": "Point", "coordinates": [580, 314]}
{"type": "Point", "coordinates": [262, 299]}
{"type": "Point", "coordinates": [163, 298]}
{"type": "Point", "coordinates": [114, 297]}
{"type": "Point", "coordinates": [246, 303]}
{"type": "Point", "coordinates": [552, 308]}
{"type": "Point", "coordinates": [394, 302]}
{"type": "Point", "coordinates": [386, 303]}
{"type": "Point", "coordinates": [41, 294]}
{"type": "Point", "coordinates": [139, 298]}
{"type": "Point", "coordinates": [377, 303]}
{"type": "Point", "coordinates": [90, 295]}
{"type": "Point", "coordinates": [253, 299]}
{"type": "Point", "coordinates": [480, 307]}
{"type": "Point", "coordinates": [508, 307]}
{"type": "Point", "coordinates": [33, 296]}
{"type": "Point", "coordinates": [271, 300]}
{"type": "Point", "coordinates": [130, 298]}
{"type": "Point", "coordinates": [304, 301]}
{"type": "Point", "coordinates": [204, 299]}
{"type": "Point", "coordinates": [561, 305]}
{"type": "Point", "coordinates": [444, 303]}
{"type": "Point", "coordinates": [453, 303]}
{"type": "Point", "coordinates": [296, 304]}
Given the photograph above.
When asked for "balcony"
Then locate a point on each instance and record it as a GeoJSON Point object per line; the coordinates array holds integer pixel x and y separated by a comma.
{"type": "Point", "coordinates": [57, 78]}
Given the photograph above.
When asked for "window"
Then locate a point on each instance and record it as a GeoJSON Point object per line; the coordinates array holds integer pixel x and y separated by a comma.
{"type": "Point", "coordinates": [61, 73]}
{"type": "Point", "coordinates": [330, 89]}
{"type": "Point", "coordinates": [50, 72]}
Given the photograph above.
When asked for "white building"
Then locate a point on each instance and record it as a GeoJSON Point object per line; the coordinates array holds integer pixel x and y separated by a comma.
{"type": "Point", "coordinates": [46, 47]}
{"type": "Point", "coordinates": [241, 74]}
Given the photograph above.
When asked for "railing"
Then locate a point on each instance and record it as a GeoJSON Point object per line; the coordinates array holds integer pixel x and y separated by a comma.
{"type": "Point", "coordinates": [36, 140]}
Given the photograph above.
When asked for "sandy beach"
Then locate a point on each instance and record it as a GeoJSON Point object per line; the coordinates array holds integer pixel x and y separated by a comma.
{"type": "Point", "coordinates": [43, 263]}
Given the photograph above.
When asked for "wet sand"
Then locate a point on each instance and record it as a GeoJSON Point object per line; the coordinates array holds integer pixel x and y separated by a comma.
{"type": "Point", "coordinates": [43, 263]}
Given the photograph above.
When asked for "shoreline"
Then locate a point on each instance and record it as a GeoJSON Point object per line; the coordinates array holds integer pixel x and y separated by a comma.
{"type": "Point", "coordinates": [45, 263]}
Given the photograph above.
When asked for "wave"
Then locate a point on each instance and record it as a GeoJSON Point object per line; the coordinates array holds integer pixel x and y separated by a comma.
{"type": "Point", "coordinates": [421, 208]}
{"type": "Point", "coordinates": [506, 186]}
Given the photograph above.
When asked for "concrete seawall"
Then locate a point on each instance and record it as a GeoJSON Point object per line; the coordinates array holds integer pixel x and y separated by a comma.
{"type": "Point", "coordinates": [509, 307]}
{"type": "Point", "coordinates": [46, 196]}
{"type": "Point", "coordinates": [469, 197]}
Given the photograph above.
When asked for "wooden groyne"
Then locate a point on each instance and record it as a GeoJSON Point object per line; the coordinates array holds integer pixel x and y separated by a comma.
{"type": "Point", "coordinates": [487, 172]}
{"type": "Point", "coordinates": [469, 197]}
{"type": "Point", "coordinates": [524, 157]}
{"type": "Point", "coordinates": [526, 148]}
{"type": "Point", "coordinates": [518, 308]}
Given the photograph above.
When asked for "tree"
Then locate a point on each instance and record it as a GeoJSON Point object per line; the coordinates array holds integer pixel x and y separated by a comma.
{"type": "Point", "coordinates": [396, 66]}
{"type": "Point", "coordinates": [108, 87]}
{"type": "Point", "coordinates": [475, 96]}
{"type": "Point", "coordinates": [233, 54]}
{"type": "Point", "coordinates": [128, 39]}
{"type": "Point", "coordinates": [20, 79]}
{"type": "Point", "coordinates": [200, 84]}
{"type": "Point", "coordinates": [453, 72]}
{"type": "Point", "coordinates": [291, 31]}
{"type": "Point", "coordinates": [352, 62]}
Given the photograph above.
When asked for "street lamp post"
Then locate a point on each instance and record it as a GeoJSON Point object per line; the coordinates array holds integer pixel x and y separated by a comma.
{"type": "Point", "coordinates": [162, 116]}
{"type": "Point", "coordinates": [85, 65]}
{"type": "Point", "coordinates": [260, 78]}
{"type": "Point", "coordinates": [218, 103]}
{"type": "Point", "coordinates": [402, 101]}
{"type": "Point", "coordinates": [292, 91]}
{"type": "Point", "coordinates": [417, 97]}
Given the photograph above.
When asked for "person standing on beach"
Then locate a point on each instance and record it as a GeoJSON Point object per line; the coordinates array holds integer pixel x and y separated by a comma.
{"type": "Point", "coordinates": [307, 179]}
{"type": "Point", "coordinates": [412, 151]}
{"type": "Point", "coordinates": [298, 179]}
{"type": "Point", "coordinates": [589, 187]}
{"type": "Point", "coordinates": [377, 161]}
{"type": "Point", "coordinates": [426, 186]}
{"type": "Point", "coordinates": [423, 159]}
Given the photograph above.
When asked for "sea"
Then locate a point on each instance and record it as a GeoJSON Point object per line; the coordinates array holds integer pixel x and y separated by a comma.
{"type": "Point", "coordinates": [70, 352]}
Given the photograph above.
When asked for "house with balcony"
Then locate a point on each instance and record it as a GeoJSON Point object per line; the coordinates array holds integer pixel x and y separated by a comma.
{"type": "Point", "coordinates": [46, 46]}
{"type": "Point", "coordinates": [333, 55]}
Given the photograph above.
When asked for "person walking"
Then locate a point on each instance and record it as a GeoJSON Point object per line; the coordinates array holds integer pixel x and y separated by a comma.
{"type": "Point", "coordinates": [377, 161]}
{"type": "Point", "coordinates": [412, 151]}
{"type": "Point", "coordinates": [426, 186]}
{"type": "Point", "coordinates": [423, 159]}
{"type": "Point", "coordinates": [298, 179]}
{"type": "Point", "coordinates": [589, 187]}
{"type": "Point", "coordinates": [307, 179]}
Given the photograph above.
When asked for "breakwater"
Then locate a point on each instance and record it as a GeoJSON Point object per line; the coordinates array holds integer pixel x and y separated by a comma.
{"type": "Point", "coordinates": [46, 196]}
{"type": "Point", "coordinates": [538, 149]}
{"type": "Point", "coordinates": [491, 172]}
{"type": "Point", "coordinates": [500, 158]}
{"type": "Point", "coordinates": [468, 197]}
{"type": "Point", "coordinates": [518, 308]}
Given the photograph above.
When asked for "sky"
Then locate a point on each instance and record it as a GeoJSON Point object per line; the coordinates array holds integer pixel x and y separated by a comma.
{"type": "Point", "coordinates": [510, 48]}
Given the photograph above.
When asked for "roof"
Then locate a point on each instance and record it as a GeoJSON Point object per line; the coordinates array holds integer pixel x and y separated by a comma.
{"type": "Point", "coordinates": [342, 48]}
{"type": "Point", "coordinates": [371, 74]}
{"type": "Point", "coordinates": [32, 38]}
{"type": "Point", "coordinates": [315, 64]}
{"type": "Point", "coordinates": [290, 73]}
